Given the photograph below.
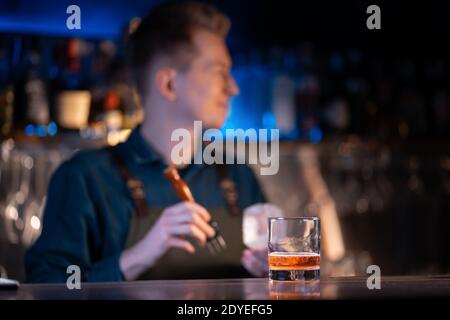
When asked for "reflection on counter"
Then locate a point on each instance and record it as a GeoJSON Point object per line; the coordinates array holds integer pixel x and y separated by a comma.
{"type": "Point", "coordinates": [294, 290]}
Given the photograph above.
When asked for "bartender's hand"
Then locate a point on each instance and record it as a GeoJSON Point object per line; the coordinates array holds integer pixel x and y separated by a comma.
{"type": "Point", "coordinates": [255, 261]}
{"type": "Point", "coordinates": [175, 223]}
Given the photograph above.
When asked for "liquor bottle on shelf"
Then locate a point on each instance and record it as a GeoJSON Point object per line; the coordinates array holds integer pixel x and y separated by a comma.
{"type": "Point", "coordinates": [37, 106]}
{"type": "Point", "coordinates": [112, 116]}
{"type": "Point", "coordinates": [72, 95]}
{"type": "Point", "coordinates": [6, 92]}
{"type": "Point", "coordinates": [283, 98]}
{"type": "Point", "coordinates": [6, 110]}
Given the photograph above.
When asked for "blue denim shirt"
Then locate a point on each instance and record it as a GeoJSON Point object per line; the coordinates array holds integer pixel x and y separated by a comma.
{"type": "Point", "coordinates": [88, 209]}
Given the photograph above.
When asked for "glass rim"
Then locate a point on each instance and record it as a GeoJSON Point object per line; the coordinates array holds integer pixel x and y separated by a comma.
{"type": "Point", "coordinates": [294, 218]}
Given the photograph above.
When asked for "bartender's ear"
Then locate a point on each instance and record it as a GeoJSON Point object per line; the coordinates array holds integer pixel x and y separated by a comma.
{"type": "Point", "coordinates": [165, 80]}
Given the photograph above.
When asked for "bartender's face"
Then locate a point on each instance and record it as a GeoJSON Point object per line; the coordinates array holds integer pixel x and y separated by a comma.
{"type": "Point", "coordinates": [205, 89]}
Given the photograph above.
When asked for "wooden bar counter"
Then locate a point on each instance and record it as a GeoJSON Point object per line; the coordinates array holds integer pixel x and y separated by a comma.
{"type": "Point", "coordinates": [239, 289]}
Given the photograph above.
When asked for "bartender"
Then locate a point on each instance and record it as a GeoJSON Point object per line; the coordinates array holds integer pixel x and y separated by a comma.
{"type": "Point", "coordinates": [112, 212]}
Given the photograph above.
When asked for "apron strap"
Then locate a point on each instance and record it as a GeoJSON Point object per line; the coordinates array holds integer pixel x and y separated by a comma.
{"type": "Point", "coordinates": [134, 184]}
{"type": "Point", "coordinates": [136, 187]}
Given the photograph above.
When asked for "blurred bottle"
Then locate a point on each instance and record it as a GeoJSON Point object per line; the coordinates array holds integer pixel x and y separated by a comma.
{"type": "Point", "coordinates": [36, 92]}
{"type": "Point", "coordinates": [307, 103]}
{"type": "Point", "coordinates": [71, 88]}
{"type": "Point", "coordinates": [6, 110]}
{"type": "Point", "coordinates": [113, 106]}
{"type": "Point", "coordinates": [112, 115]}
{"type": "Point", "coordinates": [283, 92]}
{"type": "Point", "coordinates": [6, 92]}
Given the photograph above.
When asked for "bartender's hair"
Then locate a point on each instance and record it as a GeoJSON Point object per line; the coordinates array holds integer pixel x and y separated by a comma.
{"type": "Point", "coordinates": [166, 32]}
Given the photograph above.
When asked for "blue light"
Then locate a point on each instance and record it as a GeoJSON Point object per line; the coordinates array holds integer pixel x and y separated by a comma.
{"type": "Point", "coordinates": [315, 135]}
{"type": "Point", "coordinates": [52, 129]}
{"type": "Point", "coordinates": [41, 131]}
{"type": "Point", "coordinates": [29, 130]}
{"type": "Point", "coordinates": [46, 17]}
{"type": "Point", "coordinates": [269, 121]}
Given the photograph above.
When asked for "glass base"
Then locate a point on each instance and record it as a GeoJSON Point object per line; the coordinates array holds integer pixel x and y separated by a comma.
{"type": "Point", "coordinates": [294, 290]}
{"type": "Point", "coordinates": [294, 275]}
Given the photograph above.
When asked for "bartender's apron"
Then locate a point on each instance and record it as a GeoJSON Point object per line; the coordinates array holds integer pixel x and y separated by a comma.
{"type": "Point", "coordinates": [177, 263]}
